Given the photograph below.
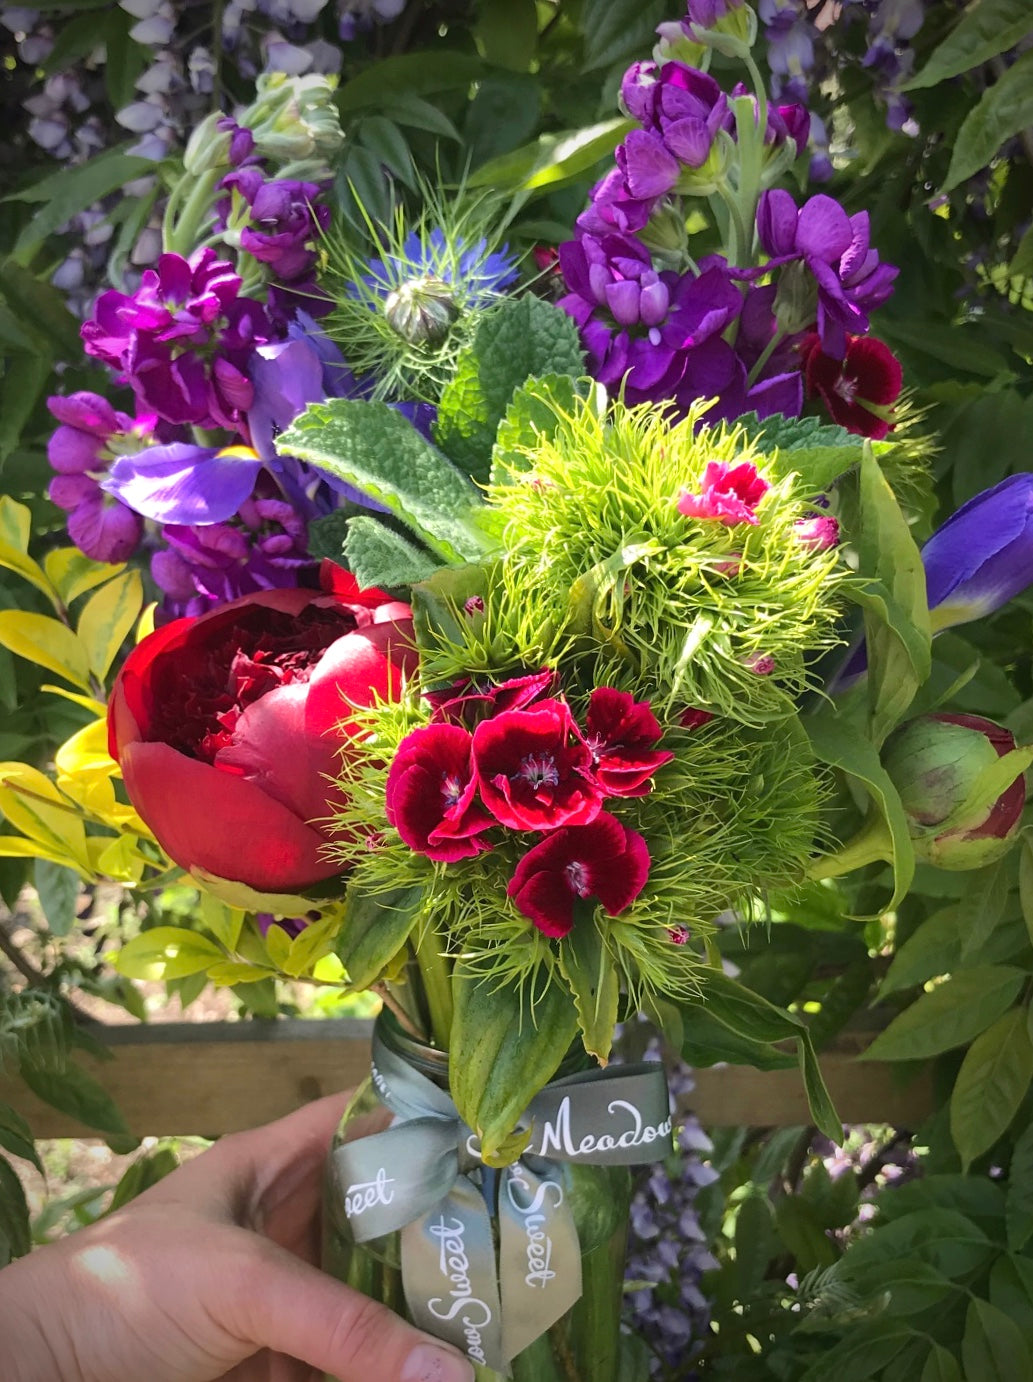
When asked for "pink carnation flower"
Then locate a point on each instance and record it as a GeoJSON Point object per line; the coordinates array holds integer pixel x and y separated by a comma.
{"type": "Point", "coordinates": [730, 494]}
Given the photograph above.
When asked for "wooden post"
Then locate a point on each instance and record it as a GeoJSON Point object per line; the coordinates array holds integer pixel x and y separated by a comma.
{"type": "Point", "coordinates": [175, 1079]}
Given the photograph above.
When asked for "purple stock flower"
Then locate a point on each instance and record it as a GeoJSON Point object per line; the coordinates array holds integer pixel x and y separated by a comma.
{"type": "Point", "coordinates": [706, 13]}
{"type": "Point", "coordinates": [285, 222]}
{"type": "Point", "coordinates": [91, 436]}
{"type": "Point", "coordinates": [183, 340]}
{"type": "Point", "coordinates": [848, 277]}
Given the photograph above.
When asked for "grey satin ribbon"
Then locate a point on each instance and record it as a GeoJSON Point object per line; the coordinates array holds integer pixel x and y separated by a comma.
{"type": "Point", "coordinates": [424, 1177]}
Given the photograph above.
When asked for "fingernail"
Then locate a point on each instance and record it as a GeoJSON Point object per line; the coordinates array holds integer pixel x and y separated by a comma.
{"type": "Point", "coordinates": [431, 1364]}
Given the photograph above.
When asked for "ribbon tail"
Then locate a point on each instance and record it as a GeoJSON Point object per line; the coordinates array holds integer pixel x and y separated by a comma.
{"type": "Point", "coordinates": [539, 1257]}
{"type": "Point", "coordinates": [449, 1277]}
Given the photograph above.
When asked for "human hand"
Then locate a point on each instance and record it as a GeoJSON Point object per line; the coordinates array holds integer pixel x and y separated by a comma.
{"type": "Point", "coordinates": [208, 1275]}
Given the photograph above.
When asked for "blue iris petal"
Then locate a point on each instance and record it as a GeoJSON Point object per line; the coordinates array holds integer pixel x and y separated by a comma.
{"type": "Point", "coordinates": [185, 484]}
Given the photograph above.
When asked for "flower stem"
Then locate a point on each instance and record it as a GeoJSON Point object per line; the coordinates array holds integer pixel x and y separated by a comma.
{"type": "Point", "coordinates": [871, 842]}
{"type": "Point", "coordinates": [765, 356]}
{"type": "Point", "coordinates": [180, 238]}
{"type": "Point", "coordinates": [436, 973]}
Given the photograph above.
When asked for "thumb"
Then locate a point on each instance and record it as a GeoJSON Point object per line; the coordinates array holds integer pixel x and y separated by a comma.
{"type": "Point", "coordinates": [283, 1304]}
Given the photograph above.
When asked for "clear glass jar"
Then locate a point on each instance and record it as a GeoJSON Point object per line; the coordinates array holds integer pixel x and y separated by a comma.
{"type": "Point", "coordinates": [584, 1345]}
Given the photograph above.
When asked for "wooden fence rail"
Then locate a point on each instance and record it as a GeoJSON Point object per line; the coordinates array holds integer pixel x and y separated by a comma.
{"type": "Point", "coordinates": [210, 1078]}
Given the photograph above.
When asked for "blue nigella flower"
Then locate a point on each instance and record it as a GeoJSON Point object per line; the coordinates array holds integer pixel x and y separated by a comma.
{"type": "Point", "coordinates": [476, 274]}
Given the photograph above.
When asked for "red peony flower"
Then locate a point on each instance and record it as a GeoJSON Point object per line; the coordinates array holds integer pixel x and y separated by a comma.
{"type": "Point", "coordinates": [621, 733]}
{"type": "Point", "coordinates": [858, 390]}
{"type": "Point", "coordinates": [431, 794]}
{"type": "Point", "coordinates": [603, 860]}
{"type": "Point", "coordinates": [730, 494]}
{"type": "Point", "coordinates": [229, 727]}
{"type": "Point", "coordinates": [533, 771]}
{"type": "Point", "coordinates": [467, 703]}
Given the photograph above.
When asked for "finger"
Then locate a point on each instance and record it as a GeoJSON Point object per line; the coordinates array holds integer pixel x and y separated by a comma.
{"type": "Point", "coordinates": [282, 1304]}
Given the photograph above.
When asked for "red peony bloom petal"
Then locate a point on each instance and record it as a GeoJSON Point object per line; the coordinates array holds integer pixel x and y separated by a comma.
{"type": "Point", "coordinates": [207, 819]}
{"type": "Point", "coordinates": [530, 774]}
{"type": "Point", "coordinates": [603, 859]}
{"type": "Point", "coordinates": [621, 732]}
{"type": "Point", "coordinates": [431, 791]}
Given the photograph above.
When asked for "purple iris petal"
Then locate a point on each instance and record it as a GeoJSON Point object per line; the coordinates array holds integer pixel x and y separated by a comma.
{"type": "Point", "coordinates": [185, 484]}
{"type": "Point", "coordinates": [982, 557]}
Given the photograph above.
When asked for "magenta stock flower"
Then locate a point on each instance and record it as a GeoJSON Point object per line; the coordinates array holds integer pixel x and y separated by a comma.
{"type": "Point", "coordinates": [533, 769]}
{"type": "Point", "coordinates": [729, 494]}
{"type": "Point", "coordinates": [603, 860]}
{"type": "Point", "coordinates": [183, 340]}
{"type": "Point", "coordinates": [622, 734]}
{"type": "Point", "coordinates": [431, 794]}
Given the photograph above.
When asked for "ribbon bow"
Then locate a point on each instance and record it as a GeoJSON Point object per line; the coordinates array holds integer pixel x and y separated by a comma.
{"type": "Point", "coordinates": [424, 1177]}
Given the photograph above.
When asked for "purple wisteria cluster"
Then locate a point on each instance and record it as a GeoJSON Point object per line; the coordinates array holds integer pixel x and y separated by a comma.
{"type": "Point", "coordinates": [728, 324]}
{"type": "Point", "coordinates": [668, 1254]}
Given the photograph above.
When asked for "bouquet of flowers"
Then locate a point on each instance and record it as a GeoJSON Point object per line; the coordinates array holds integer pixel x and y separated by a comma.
{"type": "Point", "coordinates": [501, 654]}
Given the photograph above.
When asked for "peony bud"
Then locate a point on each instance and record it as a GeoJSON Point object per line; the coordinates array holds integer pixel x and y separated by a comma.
{"type": "Point", "coordinates": [938, 763]}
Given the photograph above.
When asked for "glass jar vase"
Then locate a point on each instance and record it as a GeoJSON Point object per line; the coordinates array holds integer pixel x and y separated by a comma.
{"type": "Point", "coordinates": [584, 1345]}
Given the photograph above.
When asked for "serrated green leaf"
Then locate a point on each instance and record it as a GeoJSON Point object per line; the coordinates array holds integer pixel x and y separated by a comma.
{"type": "Point", "coordinates": [375, 927]}
{"type": "Point", "coordinates": [593, 980]}
{"type": "Point", "coordinates": [819, 452]}
{"type": "Point", "coordinates": [983, 30]}
{"type": "Point", "coordinates": [950, 1015]}
{"type": "Point", "coordinates": [1018, 1209]}
{"type": "Point", "coordinates": [378, 556]}
{"type": "Point", "coordinates": [534, 413]}
{"type": "Point", "coordinates": [519, 339]}
{"type": "Point", "coordinates": [327, 536]}
{"type": "Point", "coordinates": [990, 1086]}
{"type": "Point", "coordinates": [372, 447]}
{"type": "Point", "coordinates": [1004, 110]}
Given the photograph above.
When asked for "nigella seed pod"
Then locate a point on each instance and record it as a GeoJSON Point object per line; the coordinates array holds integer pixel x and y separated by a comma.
{"type": "Point", "coordinates": [422, 311]}
{"type": "Point", "coordinates": [935, 762]}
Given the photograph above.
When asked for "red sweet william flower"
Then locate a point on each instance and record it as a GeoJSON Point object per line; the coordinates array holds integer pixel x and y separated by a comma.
{"type": "Point", "coordinates": [860, 389]}
{"type": "Point", "coordinates": [431, 794]}
{"type": "Point", "coordinates": [468, 702]}
{"type": "Point", "coordinates": [229, 727]}
{"type": "Point", "coordinates": [533, 771]}
{"type": "Point", "coordinates": [730, 494]}
{"type": "Point", "coordinates": [604, 860]}
{"type": "Point", "coordinates": [621, 733]}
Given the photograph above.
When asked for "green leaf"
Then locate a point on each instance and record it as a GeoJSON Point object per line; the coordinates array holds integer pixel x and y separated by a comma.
{"type": "Point", "coordinates": [1018, 1207]}
{"type": "Point", "coordinates": [840, 745]}
{"type": "Point", "coordinates": [934, 948]}
{"type": "Point", "coordinates": [379, 556]}
{"type": "Point", "coordinates": [15, 1232]}
{"type": "Point", "coordinates": [146, 1171]}
{"type": "Point", "coordinates": [40, 306]}
{"type": "Point", "coordinates": [58, 891]}
{"type": "Point", "coordinates": [533, 415]}
{"type": "Point", "coordinates": [941, 1366]}
{"type": "Point", "coordinates": [76, 1093]}
{"type": "Point", "coordinates": [992, 1348]}
{"type": "Point", "coordinates": [372, 447]}
{"type": "Point", "coordinates": [1022, 260]}
{"type": "Point", "coordinates": [1026, 881]}
{"type": "Point", "coordinates": [76, 39]}
{"type": "Point", "coordinates": [823, 1111]}
{"type": "Point", "coordinates": [593, 979]}
{"type": "Point", "coordinates": [862, 1353]}
{"type": "Point", "coordinates": [819, 452]}
{"type": "Point", "coordinates": [72, 190]}
{"type": "Point", "coordinates": [902, 1287]}
{"type": "Point", "coordinates": [16, 1136]}
{"type": "Point", "coordinates": [438, 603]}
{"type": "Point", "coordinates": [950, 1015]}
{"type": "Point", "coordinates": [107, 619]}
{"type": "Point", "coordinates": [984, 30]}
{"type": "Point", "coordinates": [375, 927]}
{"type": "Point", "coordinates": [945, 1239]}
{"type": "Point", "coordinates": [384, 139]}
{"type": "Point", "coordinates": [991, 1084]}
{"type": "Point", "coordinates": [552, 159]}
{"type": "Point", "coordinates": [507, 32]}
{"type": "Point", "coordinates": [755, 1243]}
{"type": "Point", "coordinates": [613, 29]}
{"type": "Point", "coordinates": [25, 376]}
{"type": "Point", "coordinates": [1004, 110]}
{"type": "Point", "coordinates": [407, 109]}
{"type": "Point", "coordinates": [803, 1234]}
{"type": "Point", "coordinates": [984, 903]}
{"type": "Point", "coordinates": [896, 612]}
{"type": "Point", "coordinates": [520, 338]}
{"type": "Point", "coordinates": [125, 60]}
{"type": "Point", "coordinates": [504, 1051]}
{"type": "Point", "coordinates": [166, 952]}
{"type": "Point", "coordinates": [709, 1041]}
{"type": "Point", "coordinates": [409, 74]}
